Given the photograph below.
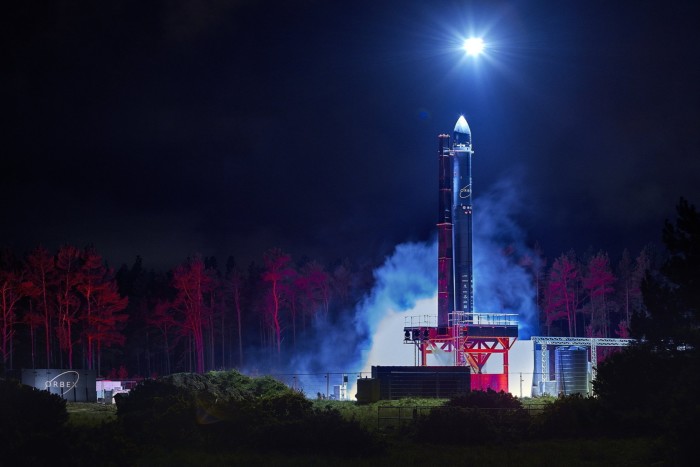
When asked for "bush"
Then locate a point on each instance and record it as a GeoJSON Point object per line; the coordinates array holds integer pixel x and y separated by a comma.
{"type": "Point", "coordinates": [477, 418]}
{"type": "Point", "coordinates": [157, 411]}
{"type": "Point", "coordinates": [227, 409]}
{"type": "Point", "coordinates": [30, 419]}
{"type": "Point", "coordinates": [649, 391]}
{"type": "Point", "coordinates": [488, 399]}
{"type": "Point", "coordinates": [322, 431]}
{"type": "Point", "coordinates": [569, 417]}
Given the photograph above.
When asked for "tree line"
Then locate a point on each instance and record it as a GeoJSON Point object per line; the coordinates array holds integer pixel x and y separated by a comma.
{"type": "Point", "coordinates": [69, 309]}
{"type": "Point", "coordinates": [588, 297]}
{"type": "Point", "coordinates": [67, 303]}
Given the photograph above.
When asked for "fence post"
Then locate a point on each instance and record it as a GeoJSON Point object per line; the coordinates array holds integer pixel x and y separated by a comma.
{"type": "Point", "coordinates": [521, 384]}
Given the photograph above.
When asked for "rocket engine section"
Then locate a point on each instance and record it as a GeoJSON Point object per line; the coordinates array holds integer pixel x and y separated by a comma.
{"type": "Point", "coordinates": [455, 268]}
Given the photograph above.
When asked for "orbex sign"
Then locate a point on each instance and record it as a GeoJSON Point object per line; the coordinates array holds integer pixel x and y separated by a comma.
{"type": "Point", "coordinates": [77, 385]}
{"type": "Point", "coordinates": [66, 381]}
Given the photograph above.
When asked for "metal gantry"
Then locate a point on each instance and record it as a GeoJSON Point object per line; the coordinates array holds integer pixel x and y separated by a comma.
{"type": "Point", "coordinates": [591, 342]}
{"type": "Point", "coordinates": [471, 338]}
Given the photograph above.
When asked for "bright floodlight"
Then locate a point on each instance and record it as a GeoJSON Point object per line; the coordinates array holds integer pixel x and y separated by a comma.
{"type": "Point", "coordinates": [474, 45]}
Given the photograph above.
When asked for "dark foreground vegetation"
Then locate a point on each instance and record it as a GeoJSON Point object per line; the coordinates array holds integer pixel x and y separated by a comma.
{"type": "Point", "coordinates": [226, 418]}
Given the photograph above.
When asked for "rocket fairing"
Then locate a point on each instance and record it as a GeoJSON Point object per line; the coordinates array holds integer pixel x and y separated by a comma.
{"type": "Point", "coordinates": [455, 269]}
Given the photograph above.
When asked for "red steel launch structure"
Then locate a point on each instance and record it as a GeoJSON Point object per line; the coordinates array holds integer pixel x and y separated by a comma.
{"type": "Point", "coordinates": [460, 337]}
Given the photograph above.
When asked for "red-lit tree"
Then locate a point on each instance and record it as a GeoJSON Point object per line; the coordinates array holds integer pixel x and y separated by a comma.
{"type": "Point", "coordinates": [102, 316]}
{"type": "Point", "coordinates": [107, 318]}
{"type": "Point", "coordinates": [561, 300]}
{"type": "Point", "coordinates": [278, 272]}
{"type": "Point", "coordinates": [598, 283]}
{"type": "Point", "coordinates": [69, 274]}
{"type": "Point", "coordinates": [34, 321]}
{"type": "Point", "coordinates": [192, 284]}
{"type": "Point", "coordinates": [41, 272]}
{"type": "Point", "coordinates": [12, 290]}
{"type": "Point", "coordinates": [235, 282]}
{"type": "Point", "coordinates": [163, 319]}
{"type": "Point", "coordinates": [93, 272]}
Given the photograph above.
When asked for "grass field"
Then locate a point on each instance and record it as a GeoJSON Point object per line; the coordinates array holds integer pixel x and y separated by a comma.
{"type": "Point", "coordinates": [88, 414]}
{"type": "Point", "coordinates": [400, 450]}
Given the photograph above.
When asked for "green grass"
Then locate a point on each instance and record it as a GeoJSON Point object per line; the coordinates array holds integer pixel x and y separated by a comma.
{"type": "Point", "coordinates": [89, 414]}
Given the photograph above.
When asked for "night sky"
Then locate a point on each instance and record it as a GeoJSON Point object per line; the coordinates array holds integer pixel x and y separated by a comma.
{"type": "Point", "coordinates": [172, 128]}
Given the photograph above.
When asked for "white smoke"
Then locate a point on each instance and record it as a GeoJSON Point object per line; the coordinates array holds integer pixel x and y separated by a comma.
{"type": "Point", "coordinates": [501, 282]}
{"type": "Point", "coordinates": [405, 286]}
{"type": "Point", "coordinates": [408, 275]}
{"type": "Point", "coordinates": [372, 333]}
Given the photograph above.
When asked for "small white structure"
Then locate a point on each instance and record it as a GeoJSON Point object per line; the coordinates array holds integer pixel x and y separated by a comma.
{"type": "Point", "coordinates": [107, 389]}
{"type": "Point", "coordinates": [340, 391]}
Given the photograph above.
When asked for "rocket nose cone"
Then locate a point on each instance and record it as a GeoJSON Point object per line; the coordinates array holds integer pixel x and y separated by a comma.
{"type": "Point", "coordinates": [462, 126]}
{"type": "Point", "coordinates": [462, 134]}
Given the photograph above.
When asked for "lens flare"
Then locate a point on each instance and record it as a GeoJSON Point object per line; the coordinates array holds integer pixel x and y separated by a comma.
{"type": "Point", "coordinates": [474, 46]}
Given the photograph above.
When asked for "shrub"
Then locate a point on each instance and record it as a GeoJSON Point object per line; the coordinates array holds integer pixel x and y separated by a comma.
{"type": "Point", "coordinates": [157, 411]}
{"type": "Point", "coordinates": [479, 417]}
{"type": "Point", "coordinates": [488, 399]}
{"type": "Point", "coordinates": [570, 416]}
{"type": "Point", "coordinates": [31, 418]}
{"type": "Point", "coordinates": [321, 431]}
{"type": "Point", "coordinates": [650, 391]}
{"type": "Point", "coordinates": [227, 409]}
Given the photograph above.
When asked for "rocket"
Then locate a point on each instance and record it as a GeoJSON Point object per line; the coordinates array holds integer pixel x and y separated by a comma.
{"type": "Point", "coordinates": [455, 269]}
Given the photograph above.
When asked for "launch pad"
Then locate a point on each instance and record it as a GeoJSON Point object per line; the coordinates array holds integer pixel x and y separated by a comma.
{"type": "Point", "coordinates": [469, 340]}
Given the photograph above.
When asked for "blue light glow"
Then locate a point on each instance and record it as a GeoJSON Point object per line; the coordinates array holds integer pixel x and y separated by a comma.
{"type": "Point", "coordinates": [474, 46]}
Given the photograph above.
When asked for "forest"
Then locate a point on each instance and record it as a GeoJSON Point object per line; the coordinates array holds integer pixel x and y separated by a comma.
{"type": "Point", "coordinates": [643, 412]}
{"type": "Point", "coordinates": [69, 309]}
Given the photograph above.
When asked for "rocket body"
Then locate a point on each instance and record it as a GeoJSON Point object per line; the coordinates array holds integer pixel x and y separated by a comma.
{"type": "Point", "coordinates": [445, 262]}
{"type": "Point", "coordinates": [455, 268]}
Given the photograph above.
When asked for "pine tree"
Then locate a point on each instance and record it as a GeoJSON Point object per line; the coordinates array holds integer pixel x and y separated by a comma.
{"type": "Point", "coordinates": [41, 271]}
{"type": "Point", "coordinates": [598, 282]}
{"type": "Point", "coordinates": [672, 296]}
{"type": "Point", "coordinates": [561, 301]}
{"type": "Point", "coordinates": [278, 272]}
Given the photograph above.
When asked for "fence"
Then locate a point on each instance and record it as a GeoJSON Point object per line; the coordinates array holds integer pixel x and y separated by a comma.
{"type": "Point", "coordinates": [388, 416]}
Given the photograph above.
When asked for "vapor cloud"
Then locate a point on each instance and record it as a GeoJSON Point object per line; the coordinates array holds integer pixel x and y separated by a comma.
{"type": "Point", "coordinates": [405, 287]}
